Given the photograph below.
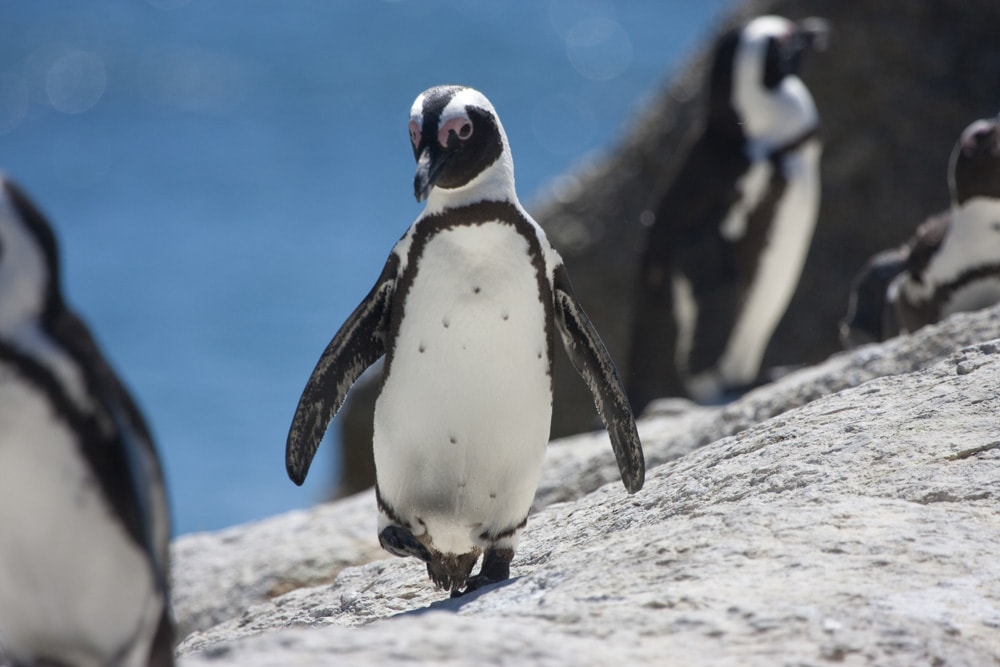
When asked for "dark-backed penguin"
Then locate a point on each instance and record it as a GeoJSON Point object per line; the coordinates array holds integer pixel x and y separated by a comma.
{"type": "Point", "coordinates": [84, 524]}
{"type": "Point", "coordinates": [465, 311]}
{"type": "Point", "coordinates": [954, 264]}
{"type": "Point", "coordinates": [731, 232]}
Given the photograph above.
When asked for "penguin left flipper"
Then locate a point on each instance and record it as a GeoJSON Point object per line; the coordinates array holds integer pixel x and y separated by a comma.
{"type": "Point", "coordinates": [591, 359]}
{"type": "Point", "coordinates": [357, 345]}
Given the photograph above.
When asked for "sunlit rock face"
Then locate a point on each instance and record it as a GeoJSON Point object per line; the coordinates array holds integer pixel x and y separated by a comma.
{"type": "Point", "coordinates": [846, 512]}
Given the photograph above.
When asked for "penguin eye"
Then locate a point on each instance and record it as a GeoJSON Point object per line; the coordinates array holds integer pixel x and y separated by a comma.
{"type": "Point", "coordinates": [465, 131]}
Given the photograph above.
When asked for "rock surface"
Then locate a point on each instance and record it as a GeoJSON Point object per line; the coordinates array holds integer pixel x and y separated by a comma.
{"type": "Point", "coordinates": [853, 517]}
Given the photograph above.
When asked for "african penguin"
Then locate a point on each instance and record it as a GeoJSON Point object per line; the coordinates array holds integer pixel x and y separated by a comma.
{"type": "Point", "coordinates": [731, 232]}
{"type": "Point", "coordinates": [465, 312]}
{"type": "Point", "coordinates": [954, 265]}
{"type": "Point", "coordinates": [83, 507]}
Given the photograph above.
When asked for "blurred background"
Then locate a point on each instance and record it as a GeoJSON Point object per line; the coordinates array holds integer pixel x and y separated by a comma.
{"type": "Point", "coordinates": [226, 180]}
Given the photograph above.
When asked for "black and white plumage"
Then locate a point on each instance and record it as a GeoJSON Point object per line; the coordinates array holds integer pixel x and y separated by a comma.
{"type": "Point", "coordinates": [732, 230]}
{"type": "Point", "coordinates": [465, 311]}
{"type": "Point", "coordinates": [83, 508]}
{"type": "Point", "coordinates": [953, 261]}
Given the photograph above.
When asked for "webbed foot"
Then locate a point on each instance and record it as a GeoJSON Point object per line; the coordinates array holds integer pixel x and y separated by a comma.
{"type": "Point", "coordinates": [451, 571]}
{"type": "Point", "coordinates": [496, 568]}
{"type": "Point", "coordinates": [400, 541]}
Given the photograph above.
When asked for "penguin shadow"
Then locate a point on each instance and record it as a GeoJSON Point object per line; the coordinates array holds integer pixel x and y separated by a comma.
{"type": "Point", "coordinates": [456, 604]}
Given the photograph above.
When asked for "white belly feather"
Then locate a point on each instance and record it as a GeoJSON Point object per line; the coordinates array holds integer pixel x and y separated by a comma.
{"type": "Point", "coordinates": [463, 419]}
{"type": "Point", "coordinates": [71, 580]}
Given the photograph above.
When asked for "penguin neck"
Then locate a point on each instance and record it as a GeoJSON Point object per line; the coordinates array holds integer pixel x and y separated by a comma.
{"type": "Point", "coordinates": [495, 183]}
{"type": "Point", "coordinates": [773, 120]}
{"type": "Point", "coordinates": [27, 276]}
{"type": "Point", "coordinates": [32, 302]}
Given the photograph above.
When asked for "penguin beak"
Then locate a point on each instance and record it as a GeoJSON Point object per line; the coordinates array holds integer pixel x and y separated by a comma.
{"type": "Point", "coordinates": [808, 35]}
{"type": "Point", "coordinates": [429, 164]}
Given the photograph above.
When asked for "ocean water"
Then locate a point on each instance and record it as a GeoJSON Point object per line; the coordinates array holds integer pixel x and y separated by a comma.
{"type": "Point", "coordinates": [226, 179]}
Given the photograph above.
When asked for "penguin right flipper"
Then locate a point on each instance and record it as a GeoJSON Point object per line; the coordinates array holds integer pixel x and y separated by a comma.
{"type": "Point", "coordinates": [591, 359]}
{"type": "Point", "coordinates": [357, 345]}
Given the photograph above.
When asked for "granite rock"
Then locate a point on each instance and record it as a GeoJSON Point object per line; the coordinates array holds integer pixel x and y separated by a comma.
{"type": "Point", "coordinates": [845, 513]}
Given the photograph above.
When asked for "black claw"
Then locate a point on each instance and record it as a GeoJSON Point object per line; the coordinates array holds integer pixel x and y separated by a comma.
{"type": "Point", "coordinates": [451, 571]}
{"type": "Point", "coordinates": [400, 541]}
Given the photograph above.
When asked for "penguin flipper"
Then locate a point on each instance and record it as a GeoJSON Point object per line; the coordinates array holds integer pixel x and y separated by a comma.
{"type": "Point", "coordinates": [358, 344]}
{"type": "Point", "coordinates": [591, 359]}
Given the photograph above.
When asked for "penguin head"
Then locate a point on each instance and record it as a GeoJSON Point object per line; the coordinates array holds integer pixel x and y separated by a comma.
{"type": "Point", "coordinates": [770, 102]}
{"type": "Point", "coordinates": [460, 147]}
{"type": "Point", "coordinates": [29, 278]}
{"type": "Point", "coordinates": [974, 168]}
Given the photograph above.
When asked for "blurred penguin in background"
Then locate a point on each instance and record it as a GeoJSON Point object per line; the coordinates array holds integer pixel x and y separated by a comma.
{"type": "Point", "coordinates": [84, 523]}
{"type": "Point", "coordinates": [952, 262]}
{"type": "Point", "coordinates": [955, 266]}
{"type": "Point", "coordinates": [731, 232]}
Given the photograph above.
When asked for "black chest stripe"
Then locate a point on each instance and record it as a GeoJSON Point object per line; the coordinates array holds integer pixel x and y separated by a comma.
{"type": "Point", "coordinates": [947, 290]}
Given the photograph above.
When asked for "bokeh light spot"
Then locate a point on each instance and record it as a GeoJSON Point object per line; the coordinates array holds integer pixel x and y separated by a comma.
{"type": "Point", "coordinates": [13, 101]}
{"type": "Point", "coordinates": [75, 82]}
{"type": "Point", "coordinates": [599, 49]}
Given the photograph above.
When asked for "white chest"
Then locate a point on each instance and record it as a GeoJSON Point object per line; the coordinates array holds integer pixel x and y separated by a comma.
{"type": "Point", "coordinates": [71, 580]}
{"type": "Point", "coordinates": [463, 418]}
{"type": "Point", "coordinates": [973, 240]}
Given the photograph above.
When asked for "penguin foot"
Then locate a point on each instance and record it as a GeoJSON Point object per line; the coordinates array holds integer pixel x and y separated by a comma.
{"type": "Point", "coordinates": [400, 541]}
{"type": "Point", "coordinates": [496, 568]}
{"type": "Point", "coordinates": [451, 571]}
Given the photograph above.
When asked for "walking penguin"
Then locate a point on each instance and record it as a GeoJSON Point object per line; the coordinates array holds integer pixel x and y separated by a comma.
{"type": "Point", "coordinates": [465, 311]}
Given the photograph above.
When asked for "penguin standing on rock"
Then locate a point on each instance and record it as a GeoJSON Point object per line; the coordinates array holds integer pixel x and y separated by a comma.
{"type": "Point", "coordinates": [731, 233]}
{"type": "Point", "coordinates": [84, 524]}
{"type": "Point", "coordinates": [953, 265]}
{"type": "Point", "coordinates": [465, 312]}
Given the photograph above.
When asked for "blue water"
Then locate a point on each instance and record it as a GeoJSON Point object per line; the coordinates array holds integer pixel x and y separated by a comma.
{"type": "Point", "coordinates": [227, 178]}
